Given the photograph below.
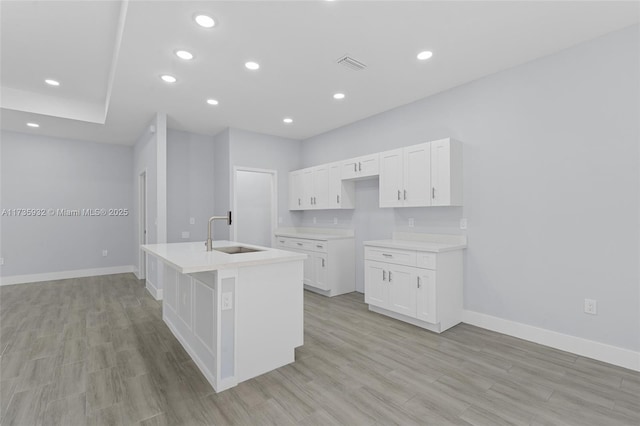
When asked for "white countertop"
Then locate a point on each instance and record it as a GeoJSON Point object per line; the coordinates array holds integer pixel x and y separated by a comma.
{"type": "Point", "coordinates": [321, 234]}
{"type": "Point", "coordinates": [422, 242]}
{"type": "Point", "coordinates": [193, 257]}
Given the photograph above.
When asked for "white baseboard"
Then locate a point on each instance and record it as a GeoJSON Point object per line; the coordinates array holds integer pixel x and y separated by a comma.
{"type": "Point", "coordinates": [588, 348]}
{"type": "Point", "coordinates": [155, 292]}
{"type": "Point", "coordinates": [63, 275]}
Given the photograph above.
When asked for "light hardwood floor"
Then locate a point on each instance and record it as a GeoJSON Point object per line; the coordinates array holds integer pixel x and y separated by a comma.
{"type": "Point", "coordinates": [95, 351]}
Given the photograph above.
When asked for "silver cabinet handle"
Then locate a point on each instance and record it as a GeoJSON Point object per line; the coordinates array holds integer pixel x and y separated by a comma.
{"type": "Point", "coordinates": [418, 282]}
{"type": "Point", "coordinates": [398, 194]}
{"type": "Point", "coordinates": [299, 201]}
{"type": "Point", "coordinates": [389, 276]}
{"type": "Point", "coordinates": [359, 166]}
{"type": "Point", "coordinates": [282, 241]}
{"type": "Point", "coordinates": [338, 199]}
{"type": "Point", "coordinates": [300, 244]}
{"type": "Point", "coordinates": [355, 167]}
{"type": "Point", "coordinates": [319, 246]}
{"type": "Point", "coordinates": [323, 263]}
{"type": "Point", "coordinates": [384, 275]}
{"type": "Point", "coordinates": [405, 194]}
{"type": "Point", "coordinates": [433, 192]}
{"type": "Point", "coordinates": [387, 255]}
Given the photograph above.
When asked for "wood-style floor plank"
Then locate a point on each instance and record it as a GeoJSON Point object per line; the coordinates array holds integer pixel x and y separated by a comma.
{"type": "Point", "coordinates": [95, 351]}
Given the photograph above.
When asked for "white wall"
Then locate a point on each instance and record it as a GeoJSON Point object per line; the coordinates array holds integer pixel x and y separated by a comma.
{"type": "Point", "coordinates": [49, 173]}
{"type": "Point", "coordinates": [190, 188]}
{"type": "Point", "coordinates": [551, 187]}
{"type": "Point", "coordinates": [221, 184]}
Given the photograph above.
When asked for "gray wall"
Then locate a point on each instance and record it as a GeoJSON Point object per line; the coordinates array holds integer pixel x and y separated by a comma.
{"type": "Point", "coordinates": [190, 192]}
{"type": "Point", "coordinates": [43, 172]}
{"type": "Point", "coordinates": [551, 186]}
{"type": "Point", "coordinates": [221, 183]}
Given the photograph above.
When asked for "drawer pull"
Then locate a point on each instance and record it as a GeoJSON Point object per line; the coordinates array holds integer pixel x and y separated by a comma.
{"type": "Point", "coordinates": [384, 275]}
{"type": "Point", "coordinates": [282, 241]}
{"type": "Point", "coordinates": [418, 282]}
{"type": "Point", "coordinates": [387, 255]}
{"type": "Point", "coordinates": [300, 244]}
{"type": "Point", "coordinates": [389, 276]}
{"type": "Point", "coordinates": [319, 246]}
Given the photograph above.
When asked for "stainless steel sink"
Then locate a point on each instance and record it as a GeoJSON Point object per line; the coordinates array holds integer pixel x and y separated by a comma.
{"type": "Point", "coordinates": [236, 249]}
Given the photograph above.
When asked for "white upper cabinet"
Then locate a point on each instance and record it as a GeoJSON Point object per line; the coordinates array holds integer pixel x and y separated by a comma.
{"type": "Point", "coordinates": [405, 178]}
{"type": "Point", "coordinates": [446, 173]}
{"type": "Point", "coordinates": [361, 167]}
{"type": "Point", "coordinates": [427, 174]}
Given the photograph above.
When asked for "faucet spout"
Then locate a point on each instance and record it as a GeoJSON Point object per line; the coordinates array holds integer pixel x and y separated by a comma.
{"type": "Point", "coordinates": [209, 242]}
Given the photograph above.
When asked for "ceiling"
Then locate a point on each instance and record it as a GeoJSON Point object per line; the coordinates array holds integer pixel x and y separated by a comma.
{"type": "Point", "coordinates": [109, 55]}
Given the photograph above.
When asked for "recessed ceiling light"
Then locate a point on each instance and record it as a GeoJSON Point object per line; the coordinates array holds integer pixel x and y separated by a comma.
{"type": "Point", "coordinates": [212, 102]}
{"type": "Point", "coordinates": [183, 54]}
{"type": "Point", "coordinates": [288, 120]}
{"type": "Point", "coordinates": [423, 56]}
{"type": "Point", "coordinates": [52, 82]}
{"type": "Point", "coordinates": [252, 65]}
{"type": "Point", "coordinates": [33, 125]}
{"type": "Point", "coordinates": [205, 21]}
{"type": "Point", "coordinates": [338, 96]}
{"type": "Point", "coordinates": [168, 78]}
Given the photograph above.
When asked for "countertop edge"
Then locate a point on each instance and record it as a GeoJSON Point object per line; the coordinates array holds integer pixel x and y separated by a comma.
{"type": "Point", "coordinates": [413, 245]}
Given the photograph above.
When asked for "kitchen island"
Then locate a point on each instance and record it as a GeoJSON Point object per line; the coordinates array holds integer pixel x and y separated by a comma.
{"type": "Point", "coordinates": [237, 312]}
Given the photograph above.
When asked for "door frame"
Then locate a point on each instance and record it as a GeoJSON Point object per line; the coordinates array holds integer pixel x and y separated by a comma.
{"type": "Point", "coordinates": [274, 199]}
{"type": "Point", "coordinates": [142, 223]}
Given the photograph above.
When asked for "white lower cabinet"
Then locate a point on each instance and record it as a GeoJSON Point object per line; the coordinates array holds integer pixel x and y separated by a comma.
{"type": "Point", "coordinates": [422, 288]}
{"type": "Point", "coordinates": [329, 268]}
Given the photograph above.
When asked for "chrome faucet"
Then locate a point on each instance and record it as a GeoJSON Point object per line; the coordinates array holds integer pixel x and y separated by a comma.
{"type": "Point", "coordinates": [209, 242]}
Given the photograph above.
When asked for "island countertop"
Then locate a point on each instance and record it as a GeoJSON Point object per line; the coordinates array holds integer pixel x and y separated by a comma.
{"type": "Point", "coordinates": [192, 257]}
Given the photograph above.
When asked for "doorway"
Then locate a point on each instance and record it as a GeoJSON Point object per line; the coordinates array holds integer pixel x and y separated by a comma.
{"type": "Point", "coordinates": [255, 206]}
{"type": "Point", "coordinates": [142, 224]}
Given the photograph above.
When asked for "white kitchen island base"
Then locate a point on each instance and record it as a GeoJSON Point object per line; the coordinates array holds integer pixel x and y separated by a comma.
{"type": "Point", "coordinates": [236, 323]}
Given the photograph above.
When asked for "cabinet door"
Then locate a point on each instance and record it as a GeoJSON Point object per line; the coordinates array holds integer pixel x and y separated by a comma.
{"type": "Point", "coordinates": [440, 173]}
{"type": "Point", "coordinates": [308, 276]}
{"type": "Point", "coordinates": [426, 284]}
{"type": "Point", "coordinates": [417, 175]}
{"type": "Point", "coordinates": [320, 269]}
{"type": "Point", "coordinates": [184, 299]}
{"type": "Point", "coordinates": [307, 189]}
{"type": "Point", "coordinates": [295, 191]}
{"type": "Point", "coordinates": [391, 178]}
{"type": "Point", "coordinates": [335, 186]}
{"type": "Point", "coordinates": [170, 287]}
{"type": "Point", "coordinates": [320, 187]}
{"type": "Point", "coordinates": [368, 165]}
{"type": "Point", "coordinates": [350, 169]}
{"type": "Point", "coordinates": [402, 290]}
{"type": "Point", "coordinates": [375, 284]}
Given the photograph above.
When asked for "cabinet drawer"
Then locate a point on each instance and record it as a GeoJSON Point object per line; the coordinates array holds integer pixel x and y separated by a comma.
{"type": "Point", "coordinates": [426, 260]}
{"type": "Point", "coordinates": [399, 257]}
{"type": "Point", "coordinates": [301, 244]}
{"type": "Point", "coordinates": [319, 246]}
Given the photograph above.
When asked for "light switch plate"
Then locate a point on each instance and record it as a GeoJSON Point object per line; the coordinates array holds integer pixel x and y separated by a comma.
{"type": "Point", "coordinates": [463, 223]}
{"type": "Point", "coordinates": [105, 253]}
{"type": "Point", "coordinates": [1, 261]}
{"type": "Point", "coordinates": [315, 220]}
{"type": "Point", "coordinates": [412, 222]}
{"type": "Point", "coordinates": [185, 234]}
{"type": "Point", "coordinates": [227, 301]}
{"type": "Point", "coordinates": [192, 221]}
{"type": "Point", "coordinates": [335, 220]}
{"type": "Point", "coordinates": [591, 306]}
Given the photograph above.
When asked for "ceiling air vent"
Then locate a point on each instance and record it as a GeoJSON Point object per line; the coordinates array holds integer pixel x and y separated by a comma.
{"type": "Point", "coordinates": [352, 64]}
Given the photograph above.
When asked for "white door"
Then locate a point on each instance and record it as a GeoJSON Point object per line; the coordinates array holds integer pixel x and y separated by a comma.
{"type": "Point", "coordinates": [417, 176]}
{"type": "Point", "coordinates": [320, 187]}
{"type": "Point", "coordinates": [402, 290]}
{"type": "Point", "coordinates": [375, 283]}
{"type": "Point", "coordinates": [142, 224]}
{"type": "Point", "coordinates": [391, 178]}
{"type": "Point", "coordinates": [426, 300]}
{"type": "Point", "coordinates": [308, 275]}
{"type": "Point", "coordinates": [255, 201]}
{"type": "Point", "coordinates": [440, 173]}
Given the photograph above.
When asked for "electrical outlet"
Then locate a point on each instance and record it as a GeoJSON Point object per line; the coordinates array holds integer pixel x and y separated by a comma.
{"type": "Point", "coordinates": [227, 301]}
{"type": "Point", "coordinates": [105, 253]}
{"type": "Point", "coordinates": [315, 220]}
{"type": "Point", "coordinates": [335, 220]}
{"type": "Point", "coordinates": [192, 221]}
{"type": "Point", "coordinates": [463, 223]}
{"type": "Point", "coordinates": [412, 222]}
{"type": "Point", "coordinates": [1, 261]}
{"type": "Point", "coordinates": [185, 234]}
{"type": "Point", "coordinates": [591, 306]}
